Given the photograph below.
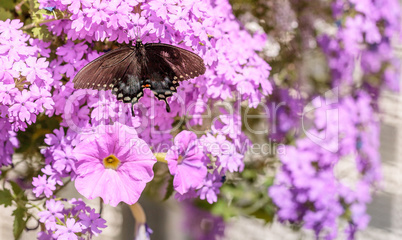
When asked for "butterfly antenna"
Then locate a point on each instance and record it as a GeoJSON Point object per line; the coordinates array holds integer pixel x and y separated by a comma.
{"type": "Point", "coordinates": [138, 26]}
{"type": "Point", "coordinates": [137, 10]}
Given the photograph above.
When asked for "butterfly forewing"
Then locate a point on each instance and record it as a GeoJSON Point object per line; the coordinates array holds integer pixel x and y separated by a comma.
{"type": "Point", "coordinates": [103, 71]}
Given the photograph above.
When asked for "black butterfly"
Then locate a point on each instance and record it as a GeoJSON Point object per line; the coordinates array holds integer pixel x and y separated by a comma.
{"type": "Point", "coordinates": [130, 69]}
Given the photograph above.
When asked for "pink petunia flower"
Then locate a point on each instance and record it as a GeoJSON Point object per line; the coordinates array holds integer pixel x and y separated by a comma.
{"type": "Point", "coordinates": [113, 164]}
{"type": "Point", "coordinates": [186, 162]}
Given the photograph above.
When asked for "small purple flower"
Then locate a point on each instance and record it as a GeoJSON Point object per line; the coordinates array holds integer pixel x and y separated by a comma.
{"type": "Point", "coordinates": [178, 18]}
{"type": "Point", "coordinates": [92, 222]}
{"type": "Point", "coordinates": [78, 206]}
{"type": "Point", "coordinates": [231, 160]}
{"type": "Point", "coordinates": [162, 7]}
{"type": "Point", "coordinates": [7, 93]}
{"type": "Point", "coordinates": [118, 11]}
{"type": "Point", "coordinates": [97, 12]}
{"type": "Point", "coordinates": [70, 51]}
{"type": "Point", "coordinates": [44, 235]}
{"type": "Point", "coordinates": [42, 98]}
{"type": "Point", "coordinates": [68, 232]}
{"type": "Point", "coordinates": [186, 162]}
{"type": "Point", "coordinates": [51, 214]}
{"type": "Point", "coordinates": [36, 69]}
{"type": "Point", "coordinates": [64, 159]}
{"type": "Point", "coordinates": [43, 185]}
{"type": "Point", "coordinates": [23, 106]}
{"type": "Point", "coordinates": [210, 188]}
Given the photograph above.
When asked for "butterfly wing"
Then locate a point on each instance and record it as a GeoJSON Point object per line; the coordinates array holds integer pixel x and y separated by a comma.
{"type": "Point", "coordinates": [183, 63]}
{"type": "Point", "coordinates": [127, 71]}
{"type": "Point", "coordinates": [166, 65]}
{"type": "Point", "coordinates": [102, 72]}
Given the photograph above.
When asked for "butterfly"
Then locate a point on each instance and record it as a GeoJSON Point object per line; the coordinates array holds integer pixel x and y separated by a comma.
{"type": "Point", "coordinates": [128, 70]}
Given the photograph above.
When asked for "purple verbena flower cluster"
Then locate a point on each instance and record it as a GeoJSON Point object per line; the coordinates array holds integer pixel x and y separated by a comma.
{"type": "Point", "coordinates": [308, 191]}
{"type": "Point", "coordinates": [307, 188]}
{"type": "Point", "coordinates": [25, 84]}
{"type": "Point", "coordinates": [366, 30]}
{"type": "Point", "coordinates": [59, 160]}
{"type": "Point", "coordinates": [69, 220]}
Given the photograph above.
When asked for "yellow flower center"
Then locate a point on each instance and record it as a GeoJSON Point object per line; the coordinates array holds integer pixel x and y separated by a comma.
{"type": "Point", "coordinates": [111, 162]}
{"type": "Point", "coordinates": [180, 159]}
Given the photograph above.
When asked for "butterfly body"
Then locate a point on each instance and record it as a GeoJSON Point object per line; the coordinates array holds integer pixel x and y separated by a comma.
{"type": "Point", "coordinates": [127, 71]}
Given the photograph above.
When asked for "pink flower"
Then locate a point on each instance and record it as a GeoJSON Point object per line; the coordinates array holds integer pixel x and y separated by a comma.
{"type": "Point", "coordinates": [23, 107]}
{"type": "Point", "coordinates": [118, 14]}
{"type": "Point", "coordinates": [68, 232]}
{"type": "Point", "coordinates": [92, 222]}
{"type": "Point", "coordinates": [97, 12]}
{"type": "Point", "coordinates": [7, 93]}
{"type": "Point", "coordinates": [178, 18]}
{"type": "Point", "coordinates": [36, 68]}
{"type": "Point", "coordinates": [51, 214]}
{"type": "Point", "coordinates": [71, 51]}
{"type": "Point", "coordinates": [113, 164]}
{"type": "Point", "coordinates": [210, 188]}
{"type": "Point", "coordinates": [162, 7]}
{"type": "Point", "coordinates": [43, 185]}
{"type": "Point", "coordinates": [186, 162]}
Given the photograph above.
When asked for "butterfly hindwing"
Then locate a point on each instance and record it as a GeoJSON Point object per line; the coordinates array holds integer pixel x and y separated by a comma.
{"type": "Point", "coordinates": [183, 63]}
{"type": "Point", "coordinates": [167, 65]}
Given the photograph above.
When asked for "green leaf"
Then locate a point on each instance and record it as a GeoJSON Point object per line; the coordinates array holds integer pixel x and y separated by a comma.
{"type": "Point", "coordinates": [36, 4]}
{"type": "Point", "coordinates": [20, 194]}
{"type": "Point", "coordinates": [267, 213]}
{"type": "Point", "coordinates": [5, 197]}
{"type": "Point", "coordinates": [4, 14]}
{"type": "Point", "coordinates": [7, 4]}
{"type": "Point", "coordinates": [223, 209]}
{"type": "Point", "coordinates": [16, 188]}
{"type": "Point", "coordinates": [19, 222]}
{"type": "Point", "coordinates": [41, 32]}
{"type": "Point", "coordinates": [169, 189]}
{"type": "Point", "coordinates": [42, 12]}
{"type": "Point", "coordinates": [269, 181]}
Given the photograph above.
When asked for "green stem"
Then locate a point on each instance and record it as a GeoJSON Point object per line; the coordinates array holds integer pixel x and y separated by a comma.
{"type": "Point", "coordinates": [35, 24]}
{"type": "Point", "coordinates": [35, 206]}
{"type": "Point", "coordinates": [160, 157]}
